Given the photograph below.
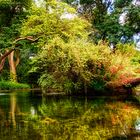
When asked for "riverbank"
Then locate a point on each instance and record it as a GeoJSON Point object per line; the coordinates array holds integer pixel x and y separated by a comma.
{"type": "Point", "coordinates": [21, 90]}
{"type": "Point", "coordinates": [8, 85]}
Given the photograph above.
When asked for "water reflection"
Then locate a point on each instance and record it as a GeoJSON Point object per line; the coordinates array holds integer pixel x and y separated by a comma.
{"type": "Point", "coordinates": [137, 124]}
{"type": "Point", "coordinates": [25, 115]}
{"type": "Point", "coordinates": [1, 94]}
{"type": "Point", "coordinates": [13, 109]}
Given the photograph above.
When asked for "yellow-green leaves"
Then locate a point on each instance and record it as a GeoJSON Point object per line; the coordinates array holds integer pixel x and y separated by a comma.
{"type": "Point", "coordinates": [56, 20]}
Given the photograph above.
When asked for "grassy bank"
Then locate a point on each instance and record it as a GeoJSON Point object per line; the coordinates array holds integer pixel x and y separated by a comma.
{"type": "Point", "coordinates": [8, 85]}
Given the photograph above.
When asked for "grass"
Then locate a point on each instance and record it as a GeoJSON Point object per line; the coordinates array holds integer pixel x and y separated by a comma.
{"type": "Point", "coordinates": [8, 85]}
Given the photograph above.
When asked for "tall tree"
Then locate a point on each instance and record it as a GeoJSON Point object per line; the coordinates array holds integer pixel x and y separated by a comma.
{"type": "Point", "coordinates": [106, 16]}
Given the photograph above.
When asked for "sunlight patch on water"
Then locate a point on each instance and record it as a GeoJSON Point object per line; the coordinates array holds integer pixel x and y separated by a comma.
{"type": "Point", "coordinates": [1, 94]}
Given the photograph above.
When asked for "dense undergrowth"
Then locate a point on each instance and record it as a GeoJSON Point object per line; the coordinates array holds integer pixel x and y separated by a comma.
{"type": "Point", "coordinates": [8, 85]}
{"type": "Point", "coordinates": [80, 66]}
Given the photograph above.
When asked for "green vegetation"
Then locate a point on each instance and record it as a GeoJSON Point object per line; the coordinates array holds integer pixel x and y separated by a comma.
{"type": "Point", "coordinates": [56, 47]}
{"type": "Point", "coordinates": [77, 47]}
{"type": "Point", "coordinates": [8, 85]}
{"type": "Point", "coordinates": [79, 66]}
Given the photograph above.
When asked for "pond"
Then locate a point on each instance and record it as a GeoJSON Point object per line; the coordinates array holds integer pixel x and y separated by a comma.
{"type": "Point", "coordinates": [30, 116]}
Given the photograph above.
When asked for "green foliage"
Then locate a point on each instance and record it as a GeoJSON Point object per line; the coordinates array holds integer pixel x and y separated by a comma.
{"type": "Point", "coordinates": [50, 23]}
{"type": "Point", "coordinates": [11, 8]}
{"type": "Point", "coordinates": [12, 12]}
{"type": "Point", "coordinates": [106, 25]}
{"type": "Point", "coordinates": [136, 59]}
{"type": "Point", "coordinates": [130, 51]}
{"type": "Point", "coordinates": [67, 60]}
{"type": "Point", "coordinates": [7, 85]}
{"type": "Point", "coordinates": [79, 65]}
{"type": "Point", "coordinates": [127, 49]}
{"type": "Point", "coordinates": [122, 3]}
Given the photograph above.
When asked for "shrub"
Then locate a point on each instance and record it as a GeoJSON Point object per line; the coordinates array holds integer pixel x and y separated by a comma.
{"type": "Point", "coordinates": [79, 65]}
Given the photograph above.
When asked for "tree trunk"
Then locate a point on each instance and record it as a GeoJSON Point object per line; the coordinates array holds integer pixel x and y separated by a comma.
{"type": "Point", "coordinates": [13, 64]}
{"type": "Point", "coordinates": [3, 58]}
{"type": "Point", "coordinates": [2, 64]}
{"type": "Point", "coordinates": [10, 54]}
{"type": "Point", "coordinates": [13, 76]}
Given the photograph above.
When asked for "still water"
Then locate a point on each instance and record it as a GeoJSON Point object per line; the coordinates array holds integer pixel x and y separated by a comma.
{"type": "Point", "coordinates": [30, 116]}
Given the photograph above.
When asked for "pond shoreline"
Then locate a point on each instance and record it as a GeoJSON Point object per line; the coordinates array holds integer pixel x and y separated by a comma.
{"type": "Point", "coordinates": [11, 90]}
{"type": "Point", "coordinates": [114, 95]}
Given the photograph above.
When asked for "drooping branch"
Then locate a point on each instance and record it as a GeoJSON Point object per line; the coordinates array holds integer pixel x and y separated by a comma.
{"type": "Point", "coordinates": [29, 38]}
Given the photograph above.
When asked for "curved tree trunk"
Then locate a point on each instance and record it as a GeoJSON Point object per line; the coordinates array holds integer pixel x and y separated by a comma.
{"type": "Point", "coordinates": [3, 58]}
{"type": "Point", "coordinates": [13, 75]}
{"type": "Point", "coordinates": [13, 64]}
{"type": "Point", "coordinates": [10, 54]}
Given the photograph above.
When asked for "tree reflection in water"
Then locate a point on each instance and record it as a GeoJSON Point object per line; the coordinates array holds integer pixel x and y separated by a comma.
{"type": "Point", "coordinates": [72, 118]}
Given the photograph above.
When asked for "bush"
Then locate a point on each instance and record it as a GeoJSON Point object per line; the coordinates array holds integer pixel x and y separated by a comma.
{"type": "Point", "coordinates": [8, 85]}
{"type": "Point", "coordinates": [79, 65]}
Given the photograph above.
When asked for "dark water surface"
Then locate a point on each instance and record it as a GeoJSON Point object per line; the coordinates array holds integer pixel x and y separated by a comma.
{"type": "Point", "coordinates": [30, 116]}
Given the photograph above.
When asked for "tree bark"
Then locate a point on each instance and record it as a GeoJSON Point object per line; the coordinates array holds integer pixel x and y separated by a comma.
{"type": "Point", "coordinates": [2, 64]}
{"type": "Point", "coordinates": [13, 75]}
{"type": "Point", "coordinates": [3, 58]}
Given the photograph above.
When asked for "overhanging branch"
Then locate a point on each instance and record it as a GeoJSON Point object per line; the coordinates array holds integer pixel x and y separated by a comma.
{"type": "Point", "coordinates": [2, 58]}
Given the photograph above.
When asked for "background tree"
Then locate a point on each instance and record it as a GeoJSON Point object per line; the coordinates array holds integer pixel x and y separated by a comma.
{"type": "Point", "coordinates": [11, 15]}
{"type": "Point", "coordinates": [105, 16]}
